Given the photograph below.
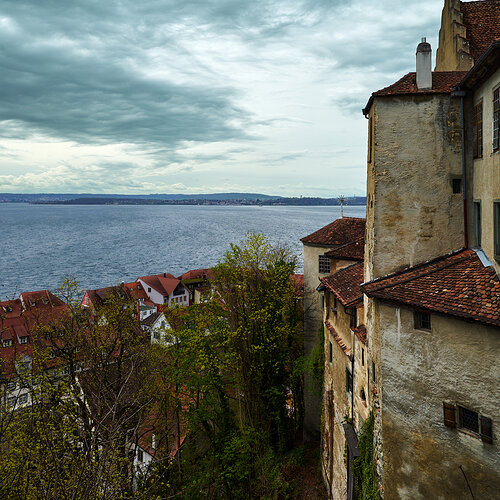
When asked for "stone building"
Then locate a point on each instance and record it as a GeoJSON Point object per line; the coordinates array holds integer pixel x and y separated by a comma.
{"type": "Point", "coordinates": [335, 235]}
{"type": "Point", "coordinates": [427, 328]}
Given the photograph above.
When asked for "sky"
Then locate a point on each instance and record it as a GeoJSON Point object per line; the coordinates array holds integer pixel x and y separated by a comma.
{"type": "Point", "coordinates": [197, 96]}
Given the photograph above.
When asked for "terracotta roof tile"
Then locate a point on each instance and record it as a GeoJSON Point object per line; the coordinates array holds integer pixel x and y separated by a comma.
{"type": "Point", "coordinates": [360, 332]}
{"type": "Point", "coordinates": [197, 274]}
{"type": "Point", "coordinates": [338, 232]}
{"type": "Point", "coordinates": [442, 83]}
{"type": "Point", "coordinates": [162, 283]}
{"type": "Point", "coordinates": [338, 339]}
{"type": "Point", "coordinates": [346, 284]}
{"type": "Point", "coordinates": [355, 250]}
{"type": "Point", "coordinates": [457, 284]}
{"type": "Point", "coordinates": [135, 290]}
{"type": "Point", "coordinates": [482, 23]}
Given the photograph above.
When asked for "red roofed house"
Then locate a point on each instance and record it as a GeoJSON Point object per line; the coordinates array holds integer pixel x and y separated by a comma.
{"type": "Point", "coordinates": [197, 281]}
{"type": "Point", "coordinates": [317, 265]}
{"type": "Point", "coordinates": [165, 289]}
{"type": "Point", "coordinates": [430, 284]}
{"type": "Point", "coordinates": [18, 319]}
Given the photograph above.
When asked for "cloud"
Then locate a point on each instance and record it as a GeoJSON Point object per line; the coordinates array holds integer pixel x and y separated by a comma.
{"type": "Point", "coordinates": [189, 93]}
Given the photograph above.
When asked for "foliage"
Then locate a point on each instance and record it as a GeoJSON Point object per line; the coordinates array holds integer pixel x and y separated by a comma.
{"type": "Point", "coordinates": [365, 475]}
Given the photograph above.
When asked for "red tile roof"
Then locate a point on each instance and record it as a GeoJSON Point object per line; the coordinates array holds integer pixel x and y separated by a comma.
{"type": "Point", "coordinates": [338, 339]}
{"type": "Point", "coordinates": [135, 290]}
{"type": "Point", "coordinates": [197, 274]}
{"type": "Point", "coordinates": [442, 83]}
{"type": "Point", "coordinates": [298, 283]}
{"type": "Point", "coordinates": [162, 283]}
{"type": "Point", "coordinates": [355, 250]}
{"type": "Point", "coordinates": [457, 284]}
{"type": "Point", "coordinates": [338, 232]}
{"type": "Point", "coordinates": [346, 284]}
{"type": "Point", "coordinates": [482, 23]}
{"type": "Point", "coordinates": [360, 332]}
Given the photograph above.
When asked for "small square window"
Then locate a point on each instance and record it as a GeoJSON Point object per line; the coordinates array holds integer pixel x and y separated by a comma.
{"type": "Point", "coordinates": [468, 419]}
{"type": "Point", "coordinates": [422, 321]}
{"type": "Point", "coordinates": [23, 340]}
{"type": "Point", "coordinates": [456, 186]}
{"type": "Point", "coordinates": [323, 264]}
{"type": "Point", "coordinates": [23, 399]}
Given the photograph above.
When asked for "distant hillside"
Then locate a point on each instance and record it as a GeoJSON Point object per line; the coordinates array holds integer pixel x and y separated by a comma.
{"type": "Point", "coordinates": [356, 200]}
{"type": "Point", "coordinates": [47, 197]}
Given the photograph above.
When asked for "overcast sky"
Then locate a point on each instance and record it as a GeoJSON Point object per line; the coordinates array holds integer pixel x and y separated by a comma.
{"type": "Point", "coordinates": [197, 96]}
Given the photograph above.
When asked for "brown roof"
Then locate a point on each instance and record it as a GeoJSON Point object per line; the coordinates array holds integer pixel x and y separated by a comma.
{"type": "Point", "coordinates": [162, 283]}
{"type": "Point", "coordinates": [338, 339]}
{"type": "Point", "coordinates": [298, 283]}
{"type": "Point", "coordinates": [482, 22]}
{"type": "Point", "coordinates": [457, 284]}
{"type": "Point", "coordinates": [338, 232]}
{"type": "Point", "coordinates": [99, 296]}
{"type": "Point", "coordinates": [197, 274]}
{"type": "Point", "coordinates": [360, 332]}
{"type": "Point", "coordinates": [135, 290]}
{"type": "Point", "coordinates": [355, 250]}
{"type": "Point", "coordinates": [442, 83]}
{"type": "Point", "coordinates": [346, 284]}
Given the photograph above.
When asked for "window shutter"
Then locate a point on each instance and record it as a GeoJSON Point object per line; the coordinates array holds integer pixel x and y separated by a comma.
{"type": "Point", "coordinates": [449, 415]}
{"type": "Point", "coordinates": [486, 430]}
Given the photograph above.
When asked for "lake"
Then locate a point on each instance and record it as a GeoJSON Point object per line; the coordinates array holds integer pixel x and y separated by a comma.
{"type": "Point", "coordinates": [105, 244]}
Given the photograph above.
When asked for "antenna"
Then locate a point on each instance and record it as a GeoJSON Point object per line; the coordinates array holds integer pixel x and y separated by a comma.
{"type": "Point", "coordinates": [341, 200]}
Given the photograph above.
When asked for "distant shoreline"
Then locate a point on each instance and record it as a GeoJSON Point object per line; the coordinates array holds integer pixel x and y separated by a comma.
{"type": "Point", "coordinates": [257, 202]}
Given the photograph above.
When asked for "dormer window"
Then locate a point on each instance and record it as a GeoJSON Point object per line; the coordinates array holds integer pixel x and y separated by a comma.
{"type": "Point", "coordinates": [32, 303]}
{"type": "Point", "coordinates": [23, 340]}
{"type": "Point", "coordinates": [6, 343]}
{"type": "Point", "coordinates": [7, 309]}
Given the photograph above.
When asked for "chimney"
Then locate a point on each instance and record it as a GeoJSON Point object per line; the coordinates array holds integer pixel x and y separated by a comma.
{"type": "Point", "coordinates": [424, 63]}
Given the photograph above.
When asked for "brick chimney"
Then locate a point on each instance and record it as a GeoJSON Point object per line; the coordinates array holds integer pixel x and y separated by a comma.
{"type": "Point", "coordinates": [424, 63]}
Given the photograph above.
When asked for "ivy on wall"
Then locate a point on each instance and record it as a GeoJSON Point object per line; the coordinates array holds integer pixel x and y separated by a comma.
{"type": "Point", "coordinates": [365, 475]}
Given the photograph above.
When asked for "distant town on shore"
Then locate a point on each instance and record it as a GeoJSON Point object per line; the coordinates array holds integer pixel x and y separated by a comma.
{"type": "Point", "coordinates": [177, 199]}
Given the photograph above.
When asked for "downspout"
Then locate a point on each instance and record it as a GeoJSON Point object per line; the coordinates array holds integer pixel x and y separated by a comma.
{"type": "Point", "coordinates": [461, 94]}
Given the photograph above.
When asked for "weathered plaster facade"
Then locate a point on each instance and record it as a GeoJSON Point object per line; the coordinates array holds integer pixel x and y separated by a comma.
{"type": "Point", "coordinates": [455, 362]}
{"type": "Point", "coordinates": [484, 172]}
{"type": "Point", "coordinates": [313, 321]}
{"type": "Point", "coordinates": [410, 203]}
{"type": "Point", "coordinates": [453, 53]}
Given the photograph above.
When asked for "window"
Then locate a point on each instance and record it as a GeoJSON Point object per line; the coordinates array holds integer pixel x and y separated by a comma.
{"type": "Point", "coordinates": [23, 399]}
{"type": "Point", "coordinates": [323, 264]}
{"type": "Point", "coordinates": [149, 288]}
{"type": "Point", "coordinates": [373, 372]}
{"type": "Point", "coordinates": [322, 299]}
{"type": "Point", "coordinates": [348, 380]}
{"type": "Point", "coordinates": [11, 400]}
{"type": "Point", "coordinates": [156, 334]}
{"type": "Point", "coordinates": [354, 317]}
{"type": "Point", "coordinates": [468, 420]}
{"type": "Point", "coordinates": [334, 307]}
{"type": "Point", "coordinates": [422, 321]}
{"type": "Point", "coordinates": [11, 386]}
{"type": "Point", "coordinates": [496, 119]}
{"type": "Point", "coordinates": [23, 340]}
{"type": "Point", "coordinates": [477, 130]}
{"type": "Point", "coordinates": [477, 223]}
{"type": "Point", "coordinates": [140, 456]}
{"type": "Point", "coordinates": [496, 229]}
{"type": "Point", "coordinates": [6, 343]}
{"type": "Point", "coordinates": [330, 352]}
{"type": "Point", "coordinates": [456, 185]}
{"type": "Point", "coordinates": [362, 356]}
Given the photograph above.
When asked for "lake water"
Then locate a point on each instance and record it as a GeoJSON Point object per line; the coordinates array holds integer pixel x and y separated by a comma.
{"type": "Point", "coordinates": [103, 245]}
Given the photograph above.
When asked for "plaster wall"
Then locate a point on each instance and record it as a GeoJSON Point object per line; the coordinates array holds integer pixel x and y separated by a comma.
{"type": "Point", "coordinates": [313, 321]}
{"type": "Point", "coordinates": [453, 52]}
{"type": "Point", "coordinates": [337, 405]}
{"type": "Point", "coordinates": [485, 170]}
{"type": "Point", "coordinates": [455, 362]}
{"type": "Point", "coordinates": [417, 153]}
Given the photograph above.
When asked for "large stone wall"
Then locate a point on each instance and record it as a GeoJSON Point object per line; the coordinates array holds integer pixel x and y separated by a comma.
{"type": "Point", "coordinates": [415, 216]}
{"type": "Point", "coordinates": [455, 362]}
